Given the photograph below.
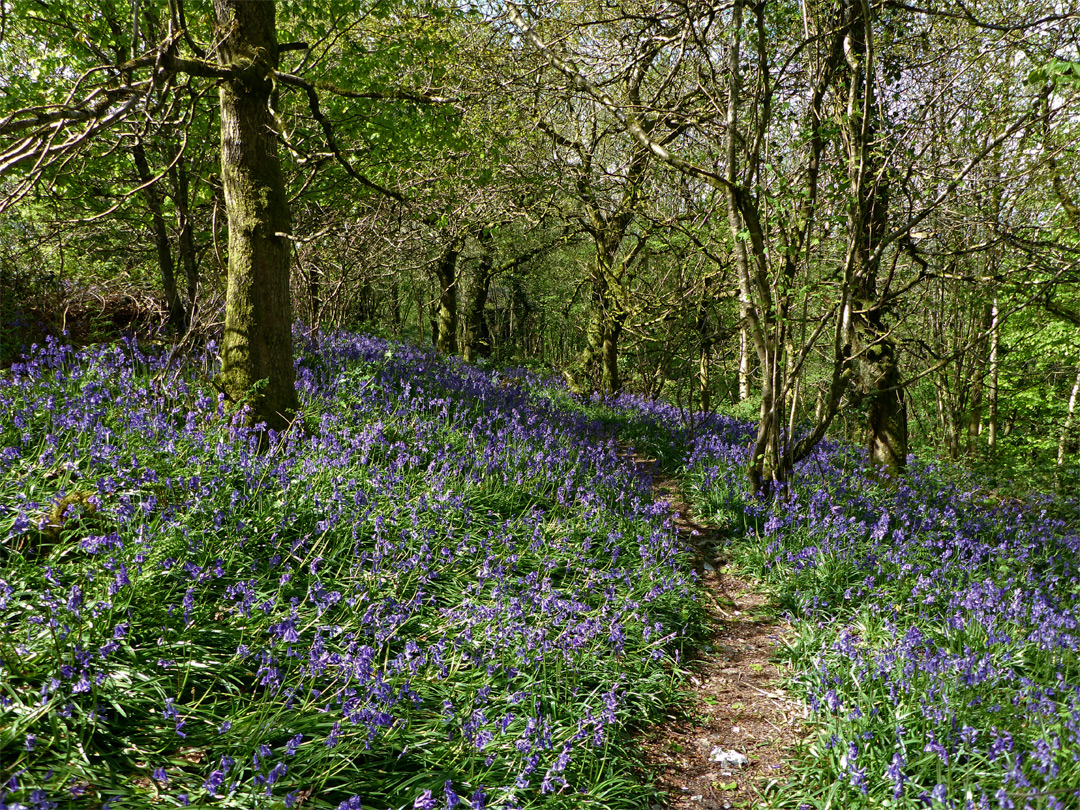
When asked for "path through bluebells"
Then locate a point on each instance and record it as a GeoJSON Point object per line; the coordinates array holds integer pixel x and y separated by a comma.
{"type": "Point", "coordinates": [455, 589]}
{"type": "Point", "coordinates": [936, 631]}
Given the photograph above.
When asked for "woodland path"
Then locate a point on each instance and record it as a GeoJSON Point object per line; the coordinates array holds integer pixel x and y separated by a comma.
{"type": "Point", "coordinates": [736, 702]}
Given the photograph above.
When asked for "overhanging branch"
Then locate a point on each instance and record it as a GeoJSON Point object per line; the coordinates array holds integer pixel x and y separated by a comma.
{"type": "Point", "coordinates": [625, 118]}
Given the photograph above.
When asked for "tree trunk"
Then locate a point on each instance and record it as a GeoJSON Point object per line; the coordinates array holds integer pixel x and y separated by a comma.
{"type": "Point", "coordinates": [992, 394]}
{"type": "Point", "coordinates": [256, 352]}
{"type": "Point", "coordinates": [477, 336]}
{"type": "Point", "coordinates": [704, 349]}
{"type": "Point", "coordinates": [446, 318]}
{"type": "Point", "coordinates": [600, 358]}
{"type": "Point", "coordinates": [311, 277]}
{"type": "Point", "coordinates": [876, 362]}
{"type": "Point", "coordinates": [978, 387]}
{"type": "Point", "coordinates": [610, 378]}
{"type": "Point", "coordinates": [605, 328]}
{"type": "Point", "coordinates": [186, 241]}
{"type": "Point", "coordinates": [177, 314]}
{"type": "Point", "coordinates": [764, 467]}
{"type": "Point", "coordinates": [887, 437]}
{"type": "Point", "coordinates": [744, 354]}
{"type": "Point", "coordinates": [1066, 430]}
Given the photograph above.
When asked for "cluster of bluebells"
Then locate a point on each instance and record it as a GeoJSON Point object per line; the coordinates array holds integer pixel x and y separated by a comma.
{"type": "Point", "coordinates": [938, 629]}
{"type": "Point", "coordinates": [446, 591]}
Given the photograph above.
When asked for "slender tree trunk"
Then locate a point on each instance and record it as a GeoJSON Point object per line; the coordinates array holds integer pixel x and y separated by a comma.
{"type": "Point", "coordinates": [311, 275]}
{"type": "Point", "coordinates": [764, 467]}
{"type": "Point", "coordinates": [992, 394]}
{"type": "Point", "coordinates": [1067, 429]}
{"type": "Point", "coordinates": [744, 354]}
{"type": "Point", "coordinates": [256, 351]}
{"type": "Point", "coordinates": [177, 314]}
{"type": "Point", "coordinates": [395, 307]}
{"type": "Point", "coordinates": [978, 386]}
{"type": "Point", "coordinates": [704, 350]}
{"type": "Point", "coordinates": [446, 318]}
{"type": "Point", "coordinates": [181, 193]}
{"type": "Point", "coordinates": [419, 294]}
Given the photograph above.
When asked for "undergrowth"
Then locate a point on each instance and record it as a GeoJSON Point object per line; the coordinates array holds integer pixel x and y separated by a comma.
{"type": "Point", "coordinates": [447, 590]}
{"type": "Point", "coordinates": [935, 631]}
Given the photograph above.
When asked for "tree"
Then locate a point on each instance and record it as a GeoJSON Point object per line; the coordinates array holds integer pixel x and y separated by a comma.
{"type": "Point", "coordinates": [257, 347]}
{"type": "Point", "coordinates": [605, 180]}
{"type": "Point", "coordinates": [256, 351]}
{"type": "Point", "coordinates": [816, 134]}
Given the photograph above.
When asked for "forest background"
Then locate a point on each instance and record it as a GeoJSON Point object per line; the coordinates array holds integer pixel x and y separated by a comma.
{"type": "Point", "coordinates": [830, 217]}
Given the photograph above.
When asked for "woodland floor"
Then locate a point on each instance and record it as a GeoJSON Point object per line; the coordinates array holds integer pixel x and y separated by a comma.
{"type": "Point", "coordinates": [735, 700]}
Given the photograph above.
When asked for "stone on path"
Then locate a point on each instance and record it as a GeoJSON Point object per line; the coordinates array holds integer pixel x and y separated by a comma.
{"type": "Point", "coordinates": [728, 758]}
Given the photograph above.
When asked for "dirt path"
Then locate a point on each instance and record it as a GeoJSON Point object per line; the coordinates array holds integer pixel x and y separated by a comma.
{"type": "Point", "coordinates": [736, 704]}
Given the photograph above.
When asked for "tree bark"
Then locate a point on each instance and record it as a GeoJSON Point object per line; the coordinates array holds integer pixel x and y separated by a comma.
{"type": "Point", "coordinates": [1066, 430]}
{"type": "Point", "coordinates": [186, 241]}
{"type": "Point", "coordinates": [876, 362]}
{"type": "Point", "coordinates": [177, 314]}
{"type": "Point", "coordinates": [446, 318]}
{"type": "Point", "coordinates": [744, 353]}
{"type": "Point", "coordinates": [256, 352]}
{"type": "Point", "coordinates": [765, 465]}
{"type": "Point", "coordinates": [477, 338]}
{"type": "Point", "coordinates": [705, 342]}
{"type": "Point", "coordinates": [992, 394]}
{"type": "Point", "coordinates": [601, 355]}
{"type": "Point", "coordinates": [978, 386]}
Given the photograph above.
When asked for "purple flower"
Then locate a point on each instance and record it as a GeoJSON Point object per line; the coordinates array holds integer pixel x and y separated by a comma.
{"type": "Point", "coordinates": [215, 780]}
{"type": "Point", "coordinates": [895, 772]}
{"type": "Point", "coordinates": [452, 799]}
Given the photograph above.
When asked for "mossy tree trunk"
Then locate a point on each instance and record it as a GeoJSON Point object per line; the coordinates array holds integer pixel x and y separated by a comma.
{"type": "Point", "coordinates": [876, 363]}
{"type": "Point", "coordinates": [446, 317]}
{"type": "Point", "coordinates": [477, 336]}
{"type": "Point", "coordinates": [256, 352]}
{"type": "Point", "coordinates": [610, 273]}
{"type": "Point", "coordinates": [600, 358]}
